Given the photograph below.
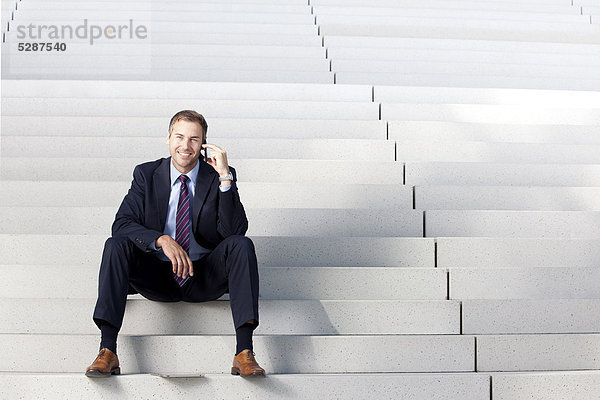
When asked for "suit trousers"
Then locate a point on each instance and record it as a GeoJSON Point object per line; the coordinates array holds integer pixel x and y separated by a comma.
{"type": "Point", "coordinates": [126, 269]}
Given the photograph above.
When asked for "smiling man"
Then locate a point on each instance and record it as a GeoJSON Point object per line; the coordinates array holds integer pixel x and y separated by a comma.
{"type": "Point", "coordinates": [179, 236]}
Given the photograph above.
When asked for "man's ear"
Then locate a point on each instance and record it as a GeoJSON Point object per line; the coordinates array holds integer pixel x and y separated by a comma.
{"type": "Point", "coordinates": [168, 136]}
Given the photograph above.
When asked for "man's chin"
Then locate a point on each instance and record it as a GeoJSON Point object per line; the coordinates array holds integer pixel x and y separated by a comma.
{"type": "Point", "coordinates": [185, 164]}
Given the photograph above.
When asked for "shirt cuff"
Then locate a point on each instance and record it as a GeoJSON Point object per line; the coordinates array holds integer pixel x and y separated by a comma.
{"type": "Point", "coordinates": [224, 188]}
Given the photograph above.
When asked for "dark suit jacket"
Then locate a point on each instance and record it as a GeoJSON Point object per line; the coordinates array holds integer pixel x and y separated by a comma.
{"type": "Point", "coordinates": [143, 212]}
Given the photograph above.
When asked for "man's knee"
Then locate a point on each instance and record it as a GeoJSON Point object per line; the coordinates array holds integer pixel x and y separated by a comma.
{"type": "Point", "coordinates": [241, 242]}
{"type": "Point", "coordinates": [118, 244]}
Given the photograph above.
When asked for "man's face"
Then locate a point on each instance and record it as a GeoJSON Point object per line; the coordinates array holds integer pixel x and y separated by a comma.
{"type": "Point", "coordinates": [185, 142]}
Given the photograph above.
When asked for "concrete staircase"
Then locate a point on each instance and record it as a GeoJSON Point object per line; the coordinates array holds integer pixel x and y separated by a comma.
{"type": "Point", "coordinates": [421, 180]}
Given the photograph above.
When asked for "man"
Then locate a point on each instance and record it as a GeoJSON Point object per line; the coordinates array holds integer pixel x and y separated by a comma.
{"type": "Point", "coordinates": [179, 236]}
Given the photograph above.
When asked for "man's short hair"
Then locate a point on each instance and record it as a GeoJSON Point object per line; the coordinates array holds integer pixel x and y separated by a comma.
{"type": "Point", "coordinates": [191, 116]}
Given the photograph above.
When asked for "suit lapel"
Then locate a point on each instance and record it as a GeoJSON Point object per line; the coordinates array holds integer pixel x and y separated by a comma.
{"type": "Point", "coordinates": [162, 184]}
{"type": "Point", "coordinates": [203, 184]}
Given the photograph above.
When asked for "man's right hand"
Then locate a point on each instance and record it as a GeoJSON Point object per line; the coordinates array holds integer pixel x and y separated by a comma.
{"type": "Point", "coordinates": [182, 265]}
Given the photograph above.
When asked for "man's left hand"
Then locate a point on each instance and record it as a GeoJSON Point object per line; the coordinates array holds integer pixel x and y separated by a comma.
{"type": "Point", "coordinates": [218, 160]}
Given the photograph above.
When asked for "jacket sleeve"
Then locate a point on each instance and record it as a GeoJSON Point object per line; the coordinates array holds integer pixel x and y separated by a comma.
{"type": "Point", "coordinates": [130, 218]}
{"type": "Point", "coordinates": [231, 218]}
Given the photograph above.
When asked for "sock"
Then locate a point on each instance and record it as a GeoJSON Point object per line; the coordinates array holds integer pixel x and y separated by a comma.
{"type": "Point", "coordinates": [109, 337]}
{"type": "Point", "coordinates": [243, 335]}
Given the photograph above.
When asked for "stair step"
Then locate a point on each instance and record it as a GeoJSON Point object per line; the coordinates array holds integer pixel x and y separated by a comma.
{"type": "Point", "coordinates": [523, 224]}
{"type": "Point", "coordinates": [591, 9]}
{"type": "Point", "coordinates": [276, 283]}
{"type": "Point", "coordinates": [321, 222]}
{"type": "Point", "coordinates": [547, 352]}
{"type": "Point", "coordinates": [278, 317]}
{"type": "Point", "coordinates": [546, 386]}
{"type": "Point", "coordinates": [456, 43]}
{"type": "Point", "coordinates": [249, 170]}
{"type": "Point", "coordinates": [277, 354]}
{"type": "Point", "coordinates": [494, 25]}
{"type": "Point", "coordinates": [210, 109]}
{"type": "Point", "coordinates": [539, 98]}
{"type": "Point", "coordinates": [178, 49]}
{"type": "Point", "coordinates": [102, 62]}
{"type": "Point", "coordinates": [501, 174]}
{"type": "Point", "coordinates": [492, 113]}
{"type": "Point", "coordinates": [173, 3]}
{"type": "Point", "coordinates": [451, 9]}
{"type": "Point", "coordinates": [219, 127]}
{"type": "Point", "coordinates": [566, 82]}
{"type": "Point", "coordinates": [290, 6]}
{"type": "Point", "coordinates": [273, 251]}
{"type": "Point", "coordinates": [507, 198]}
{"type": "Point", "coordinates": [482, 30]}
{"type": "Point", "coordinates": [137, 147]}
{"type": "Point", "coordinates": [468, 56]}
{"type": "Point", "coordinates": [512, 153]}
{"type": "Point", "coordinates": [160, 27]}
{"type": "Point", "coordinates": [439, 131]}
{"type": "Point", "coordinates": [146, 36]}
{"type": "Point", "coordinates": [165, 74]}
{"type": "Point", "coordinates": [481, 252]}
{"type": "Point", "coordinates": [524, 283]}
{"type": "Point", "coordinates": [299, 16]}
{"type": "Point", "coordinates": [187, 90]}
{"type": "Point", "coordinates": [448, 67]}
{"type": "Point", "coordinates": [432, 386]}
{"type": "Point", "coordinates": [282, 195]}
{"type": "Point", "coordinates": [441, 3]}
{"type": "Point", "coordinates": [530, 316]}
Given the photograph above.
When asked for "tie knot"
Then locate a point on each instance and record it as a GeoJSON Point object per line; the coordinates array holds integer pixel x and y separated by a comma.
{"type": "Point", "coordinates": [183, 178]}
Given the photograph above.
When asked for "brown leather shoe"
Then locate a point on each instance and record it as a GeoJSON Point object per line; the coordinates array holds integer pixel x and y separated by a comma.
{"type": "Point", "coordinates": [106, 364]}
{"type": "Point", "coordinates": [245, 364]}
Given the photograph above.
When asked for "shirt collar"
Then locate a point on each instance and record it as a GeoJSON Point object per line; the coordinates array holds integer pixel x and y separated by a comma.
{"type": "Point", "coordinates": [193, 174]}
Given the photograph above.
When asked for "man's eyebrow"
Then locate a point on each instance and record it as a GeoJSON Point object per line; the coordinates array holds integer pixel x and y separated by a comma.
{"type": "Point", "coordinates": [181, 134]}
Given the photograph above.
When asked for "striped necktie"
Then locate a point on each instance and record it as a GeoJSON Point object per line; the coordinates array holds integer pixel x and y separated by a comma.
{"type": "Point", "coordinates": [182, 224]}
